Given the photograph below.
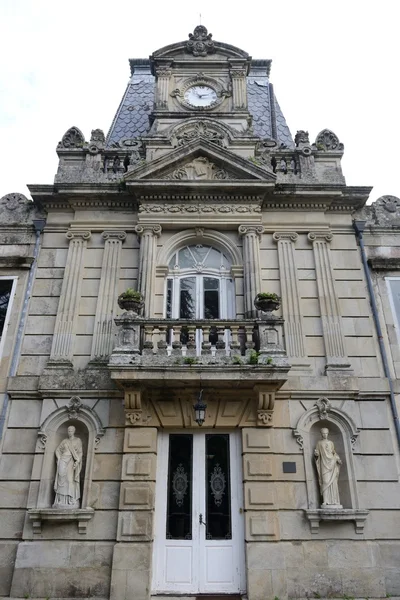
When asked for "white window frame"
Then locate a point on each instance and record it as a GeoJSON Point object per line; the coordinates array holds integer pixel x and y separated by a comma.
{"type": "Point", "coordinates": [14, 279]}
{"type": "Point", "coordinates": [396, 321]}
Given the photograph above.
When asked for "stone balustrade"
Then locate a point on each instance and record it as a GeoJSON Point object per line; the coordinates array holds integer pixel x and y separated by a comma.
{"type": "Point", "coordinates": [173, 342]}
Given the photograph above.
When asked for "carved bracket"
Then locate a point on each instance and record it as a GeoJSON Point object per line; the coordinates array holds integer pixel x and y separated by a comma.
{"type": "Point", "coordinates": [343, 514]}
{"type": "Point", "coordinates": [265, 407]}
{"type": "Point", "coordinates": [81, 515]}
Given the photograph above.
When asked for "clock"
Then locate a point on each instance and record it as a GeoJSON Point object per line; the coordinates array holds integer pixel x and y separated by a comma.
{"type": "Point", "coordinates": [200, 96]}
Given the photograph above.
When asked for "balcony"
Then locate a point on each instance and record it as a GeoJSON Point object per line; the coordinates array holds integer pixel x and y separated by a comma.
{"type": "Point", "coordinates": [176, 352]}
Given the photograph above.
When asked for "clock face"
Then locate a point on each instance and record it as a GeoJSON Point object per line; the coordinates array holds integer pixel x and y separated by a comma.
{"type": "Point", "coordinates": [201, 95]}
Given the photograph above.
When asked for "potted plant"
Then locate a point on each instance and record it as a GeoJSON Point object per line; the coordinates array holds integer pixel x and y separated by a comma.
{"type": "Point", "coordinates": [131, 300]}
{"type": "Point", "coordinates": [267, 302]}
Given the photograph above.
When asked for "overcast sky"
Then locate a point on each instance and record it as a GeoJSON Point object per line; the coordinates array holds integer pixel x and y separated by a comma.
{"type": "Point", "coordinates": [335, 65]}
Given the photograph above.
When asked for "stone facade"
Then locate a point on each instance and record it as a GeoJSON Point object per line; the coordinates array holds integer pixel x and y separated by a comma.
{"type": "Point", "coordinates": [178, 173]}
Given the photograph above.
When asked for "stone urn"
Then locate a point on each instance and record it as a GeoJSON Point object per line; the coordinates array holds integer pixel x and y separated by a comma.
{"type": "Point", "coordinates": [267, 302]}
{"type": "Point", "coordinates": [130, 300]}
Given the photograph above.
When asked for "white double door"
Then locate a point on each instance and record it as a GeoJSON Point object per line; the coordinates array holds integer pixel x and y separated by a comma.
{"type": "Point", "coordinates": [199, 530]}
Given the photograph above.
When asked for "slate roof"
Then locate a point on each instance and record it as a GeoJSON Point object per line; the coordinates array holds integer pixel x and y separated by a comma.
{"type": "Point", "coordinates": [132, 117]}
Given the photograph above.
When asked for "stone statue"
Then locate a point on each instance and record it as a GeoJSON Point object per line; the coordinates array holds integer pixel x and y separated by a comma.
{"type": "Point", "coordinates": [328, 470]}
{"type": "Point", "coordinates": [69, 465]}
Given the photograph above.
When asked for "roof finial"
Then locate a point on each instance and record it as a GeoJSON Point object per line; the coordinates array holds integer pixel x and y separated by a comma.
{"type": "Point", "coordinates": [200, 17]}
{"type": "Point", "coordinates": [200, 42]}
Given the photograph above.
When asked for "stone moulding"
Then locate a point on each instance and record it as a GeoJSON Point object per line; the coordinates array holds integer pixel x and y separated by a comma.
{"type": "Point", "coordinates": [81, 515]}
{"type": "Point", "coordinates": [343, 514]}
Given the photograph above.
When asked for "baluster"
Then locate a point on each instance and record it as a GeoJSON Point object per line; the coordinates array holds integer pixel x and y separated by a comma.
{"type": "Point", "coordinates": [234, 344]}
{"type": "Point", "coordinates": [191, 340]}
{"type": "Point", "coordinates": [220, 346]}
{"type": "Point", "coordinates": [290, 165]}
{"type": "Point", "coordinates": [177, 344]}
{"type": "Point", "coordinates": [282, 165]}
{"type": "Point", "coordinates": [249, 339]}
{"type": "Point", "coordinates": [206, 344]}
{"type": "Point", "coordinates": [162, 342]}
{"type": "Point", "coordinates": [148, 339]}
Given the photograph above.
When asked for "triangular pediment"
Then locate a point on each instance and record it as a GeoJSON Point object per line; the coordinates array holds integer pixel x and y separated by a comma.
{"type": "Point", "coordinates": [200, 161]}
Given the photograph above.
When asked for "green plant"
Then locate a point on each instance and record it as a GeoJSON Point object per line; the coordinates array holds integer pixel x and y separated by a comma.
{"type": "Point", "coordinates": [131, 294]}
{"type": "Point", "coordinates": [269, 360]}
{"type": "Point", "coordinates": [190, 360]}
{"type": "Point", "coordinates": [237, 360]}
{"type": "Point", "coordinates": [253, 358]}
{"type": "Point", "coordinates": [317, 595]}
{"type": "Point", "coordinates": [268, 296]}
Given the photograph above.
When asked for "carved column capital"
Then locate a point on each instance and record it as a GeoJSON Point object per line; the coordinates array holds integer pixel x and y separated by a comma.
{"type": "Point", "coordinates": [251, 229]}
{"type": "Point", "coordinates": [320, 236]}
{"type": "Point", "coordinates": [163, 72]}
{"type": "Point", "coordinates": [237, 73]}
{"type": "Point", "coordinates": [148, 228]}
{"type": "Point", "coordinates": [117, 235]}
{"type": "Point", "coordinates": [75, 234]}
{"type": "Point", "coordinates": [285, 236]}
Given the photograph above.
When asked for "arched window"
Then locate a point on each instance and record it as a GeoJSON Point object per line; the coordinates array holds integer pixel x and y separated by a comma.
{"type": "Point", "coordinates": [199, 284]}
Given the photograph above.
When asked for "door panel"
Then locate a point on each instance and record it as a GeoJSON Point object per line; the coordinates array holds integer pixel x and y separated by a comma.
{"type": "Point", "coordinates": [198, 474]}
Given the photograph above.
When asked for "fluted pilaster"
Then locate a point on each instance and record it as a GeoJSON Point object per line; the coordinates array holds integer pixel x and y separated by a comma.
{"type": "Point", "coordinates": [294, 335]}
{"type": "Point", "coordinates": [102, 344]}
{"type": "Point", "coordinates": [239, 91]}
{"type": "Point", "coordinates": [251, 235]}
{"type": "Point", "coordinates": [336, 357]}
{"type": "Point", "coordinates": [148, 235]}
{"type": "Point", "coordinates": [67, 314]}
{"type": "Point", "coordinates": [163, 77]}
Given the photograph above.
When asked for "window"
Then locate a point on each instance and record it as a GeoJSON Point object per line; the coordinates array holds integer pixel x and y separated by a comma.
{"type": "Point", "coordinates": [393, 284]}
{"type": "Point", "coordinates": [199, 284]}
{"type": "Point", "coordinates": [7, 289]}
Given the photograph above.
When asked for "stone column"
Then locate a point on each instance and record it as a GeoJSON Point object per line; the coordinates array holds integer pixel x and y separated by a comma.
{"type": "Point", "coordinates": [251, 261]}
{"type": "Point", "coordinates": [163, 76]}
{"type": "Point", "coordinates": [239, 91]}
{"type": "Point", "coordinates": [294, 336]}
{"type": "Point", "coordinates": [102, 343]}
{"type": "Point", "coordinates": [67, 314]}
{"type": "Point", "coordinates": [336, 357]}
{"type": "Point", "coordinates": [148, 245]}
{"type": "Point", "coordinates": [131, 569]}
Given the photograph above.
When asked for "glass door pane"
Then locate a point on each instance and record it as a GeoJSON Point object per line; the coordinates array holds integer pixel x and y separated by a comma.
{"type": "Point", "coordinates": [218, 488]}
{"type": "Point", "coordinates": [187, 304]}
{"type": "Point", "coordinates": [179, 496]}
{"type": "Point", "coordinates": [211, 298]}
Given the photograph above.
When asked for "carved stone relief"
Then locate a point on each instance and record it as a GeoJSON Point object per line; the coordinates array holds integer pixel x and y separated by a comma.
{"type": "Point", "coordinates": [199, 168]}
{"type": "Point", "coordinates": [327, 141]}
{"type": "Point", "coordinates": [200, 129]}
{"type": "Point", "coordinates": [200, 42]}
{"type": "Point", "coordinates": [73, 138]}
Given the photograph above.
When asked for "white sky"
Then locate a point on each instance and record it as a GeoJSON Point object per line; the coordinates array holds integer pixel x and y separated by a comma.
{"type": "Point", "coordinates": [335, 65]}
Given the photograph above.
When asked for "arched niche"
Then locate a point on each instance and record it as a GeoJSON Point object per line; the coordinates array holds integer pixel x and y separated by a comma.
{"type": "Point", "coordinates": [343, 433]}
{"type": "Point", "coordinates": [53, 430]}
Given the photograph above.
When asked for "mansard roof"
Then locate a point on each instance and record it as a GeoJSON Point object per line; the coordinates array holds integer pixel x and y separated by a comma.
{"type": "Point", "coordinates": [132, 117]}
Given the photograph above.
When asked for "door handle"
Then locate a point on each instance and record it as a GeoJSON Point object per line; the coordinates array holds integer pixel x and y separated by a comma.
{"type": "Point", "coordinates": [201, 520]}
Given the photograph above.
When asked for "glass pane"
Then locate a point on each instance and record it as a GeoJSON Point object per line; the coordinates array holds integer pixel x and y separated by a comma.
{"type": "Point", "coordinates": [218, 488]}
{"type": "Point", "coordinates": [185, 259]}
{"type": "Point", "coordinates": [168, 311]}
{"type": "Point", "coordinates": [179, 499]}
{"type": "Point", "coordinates": [187, 308]}
{"type": "Point", "coordinates": [214, 259]}
{"type": "Point", "coordinates": [200, 252]}
{"type": "Point", "coordinates": [211, 298]}
{"type": "Point", "coordinates": [5, 293]}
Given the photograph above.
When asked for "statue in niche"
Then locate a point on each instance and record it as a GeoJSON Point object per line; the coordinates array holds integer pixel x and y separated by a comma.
{"type": "Point", "coordinates": [328, 465]}
{"type": "Point", "coordinates": [69, 464]}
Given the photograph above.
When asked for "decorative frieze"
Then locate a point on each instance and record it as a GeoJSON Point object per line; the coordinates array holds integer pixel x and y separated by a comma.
{"type": "Point", "coordinates": [102, 344]}
{"type": "Point", "coordinates": [294, 335]}
{"type": "Point", "coordinates": [64, 330]}
{"type": "Point", "coordinates": [251, 235]}
{"type": "Point", "coordinates": [148, 234]}
{"type": "Point", "coordinates": [336, 357]}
